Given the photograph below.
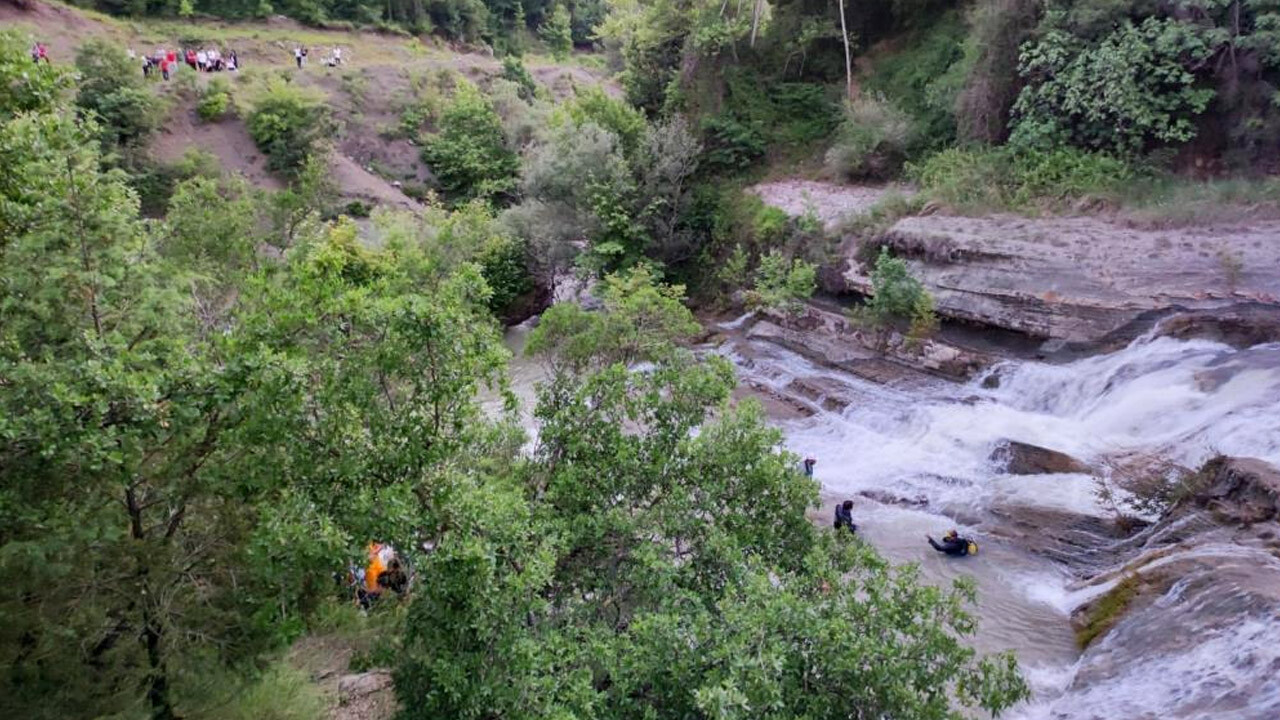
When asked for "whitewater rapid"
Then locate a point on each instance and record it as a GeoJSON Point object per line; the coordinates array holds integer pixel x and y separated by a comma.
{"type": "Point", "coordinates": [928, 442]}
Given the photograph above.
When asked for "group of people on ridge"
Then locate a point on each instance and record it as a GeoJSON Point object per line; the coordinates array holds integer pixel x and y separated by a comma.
{"type": "Point", "coordinates": [952, 543]}
{"type": "Point", "coordinates": [334, 58]}
{"type": "Point", "coordinates": [166, 61]}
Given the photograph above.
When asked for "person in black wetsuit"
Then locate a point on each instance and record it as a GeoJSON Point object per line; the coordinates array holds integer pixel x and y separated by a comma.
{"type": "Point", "coordinates": [952, 544]}
{"type": "Point", "coordinates": [844, 516]}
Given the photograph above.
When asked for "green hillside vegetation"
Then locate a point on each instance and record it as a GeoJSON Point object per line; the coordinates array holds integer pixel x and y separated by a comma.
{"type": "Point", "coordinates": [216, 387]}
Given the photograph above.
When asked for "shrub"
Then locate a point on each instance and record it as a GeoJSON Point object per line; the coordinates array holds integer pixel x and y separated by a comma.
{"type": "Point", "coordinates": [357, 209]}
{"type": "Point", "coordinates": [469, 154]}
{"type": "Point", "coordinates": [997, 30]}
{"type": "Point", "coordinates": [873, 140]}
{"type": "Point", "coordinates": [214, 101]}
{"type": "Point", "coordinates": [731, 144]}
{"type": "Point", "coordinates": [592, 104]}
{"type": "Point", "coordinates": [782, 283]}
{"type": "Point", "coordinates": [896, 296]}
{"type": "Point", "coordinates": [923, 77]}
{"type": "Point", "coordinates": [111, 88]}
{"type": "Point", "coordinates": [513, 69]}
{"type": "Point", "coordinates": [557, 33]}
{"type": "Point", "coordinates": [1125, 93]}
{"type": "Point", "coordinates": [288, 125]}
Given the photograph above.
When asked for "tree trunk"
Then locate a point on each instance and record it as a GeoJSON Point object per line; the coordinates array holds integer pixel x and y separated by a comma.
{"type": "Point", "coordinates": [158, 676]}
{"type": "Point", "coordinates": [848, 58]}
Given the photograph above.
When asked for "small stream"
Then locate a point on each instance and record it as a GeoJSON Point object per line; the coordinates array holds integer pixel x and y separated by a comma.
{"type": "Point", "coordinates": [929, 442]}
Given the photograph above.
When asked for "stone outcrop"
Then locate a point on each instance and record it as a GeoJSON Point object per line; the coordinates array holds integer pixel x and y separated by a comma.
{"type": "Point", "coordinates": [1210, 568]}
{"type": "Point", "coordinates": [1019, 458]}
{"type": "Point", "coordinates": [1077, 279]}
{"type": "Point", "coordinates": [1238, 491]}
{"type": "Point", "coordinates": [829, 338]}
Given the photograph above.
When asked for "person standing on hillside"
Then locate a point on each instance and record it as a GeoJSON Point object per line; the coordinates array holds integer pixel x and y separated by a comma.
{"type": "Point", "coordinates": [202, 60]}
{"type": "Point", "coordinates": [297, 56]}
{"type": "Point", "coordinates": [164, 68]}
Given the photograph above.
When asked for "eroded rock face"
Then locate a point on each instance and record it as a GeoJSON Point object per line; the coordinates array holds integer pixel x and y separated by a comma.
{"type": "Point", "coordinates": [1078, 279]}
{"type": "Point", "coordinates": [1241, 491]}
{"type": "Point", "coordinates": [829, 338]}
{"type": "Point", "coordinates": [1019, 458]}
{"type": "Point", "coordinates": [1199, 637]}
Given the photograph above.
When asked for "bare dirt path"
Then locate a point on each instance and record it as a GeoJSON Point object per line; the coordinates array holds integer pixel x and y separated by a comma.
{"type": "Point", "coordinates": [832, 203]}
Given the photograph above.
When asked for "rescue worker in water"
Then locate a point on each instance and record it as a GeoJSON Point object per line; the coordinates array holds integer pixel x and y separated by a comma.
{"type": "Point", "coordinates": [952, 544]}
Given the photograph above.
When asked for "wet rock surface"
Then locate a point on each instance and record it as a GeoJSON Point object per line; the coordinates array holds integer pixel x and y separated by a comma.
{"type": "Point", "coordinates": [1019, 458]}
{"type": "Point", "coordinates": [1199, 636]}
{"type": "Point", "coordinates": [888, 359]}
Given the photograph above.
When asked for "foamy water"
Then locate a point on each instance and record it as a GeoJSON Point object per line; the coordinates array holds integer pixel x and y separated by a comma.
{"type": "Point", "coordinates": [932, 442]}
{"type": "Point", "coordinates": [1180, 400]}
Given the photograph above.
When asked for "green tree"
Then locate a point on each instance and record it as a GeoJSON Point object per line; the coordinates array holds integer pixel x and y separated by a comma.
{"type": "Point", "coordinates": [896, 296]}
{"type": "Point", "coordinates": [783, 283]}
{"type": "Point", "coordinates": [557, 33]}
{"type": "Point", "coordinates": [652, 559]}
{"type": "Point", "coordinates": [125, 509]}
{"type": "Point", "coordinates": [290, 126]}
{"type": "Point", "coordinates": [110, 87]}
{"type": "Point", "coordinates": [469, 153]}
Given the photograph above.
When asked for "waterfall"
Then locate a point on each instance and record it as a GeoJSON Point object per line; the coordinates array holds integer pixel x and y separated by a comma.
{"type": "Point", "coordinates": [928, 444]}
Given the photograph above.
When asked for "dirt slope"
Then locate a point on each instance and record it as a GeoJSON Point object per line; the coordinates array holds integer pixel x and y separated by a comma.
{"type": "Point", "coordinates": [366, 94]}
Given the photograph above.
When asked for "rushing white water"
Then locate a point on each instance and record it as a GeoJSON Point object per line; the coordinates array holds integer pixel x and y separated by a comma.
{"type": "Point", "coordinates": [929, 442]}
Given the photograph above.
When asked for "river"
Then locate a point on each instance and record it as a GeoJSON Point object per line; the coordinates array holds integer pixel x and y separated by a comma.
{"type": "Point", "coordinates": [928, 443]}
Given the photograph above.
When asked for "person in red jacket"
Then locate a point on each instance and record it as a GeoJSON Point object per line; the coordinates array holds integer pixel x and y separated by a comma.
{"type": "Point", "coordinates": [191, 58]}
{"type": "Point", "coordinates": [164, 67]}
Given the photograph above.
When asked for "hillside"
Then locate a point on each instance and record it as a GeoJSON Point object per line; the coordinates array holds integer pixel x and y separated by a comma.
{"type": "Point", "coordinates": [639, 359]}
{"type": "Point", "coordinates": [366, 95]}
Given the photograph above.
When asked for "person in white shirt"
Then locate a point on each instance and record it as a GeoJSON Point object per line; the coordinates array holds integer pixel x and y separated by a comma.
{"type": "Point", "coordinates": [202, 60]}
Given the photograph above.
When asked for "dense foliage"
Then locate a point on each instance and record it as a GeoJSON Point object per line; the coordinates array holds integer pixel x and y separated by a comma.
{"type": "Point", "coordinates": [636, 568]}
{"type": "Point", "coordinates": [469, 154]}
{"type": "Point", "coordinates": [289, 125]}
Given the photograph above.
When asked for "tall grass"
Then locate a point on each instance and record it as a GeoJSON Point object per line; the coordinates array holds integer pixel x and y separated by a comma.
{"type": "Point", "coordinates": [279, 692]}
{"type": "Point", "coordinates": [992, 179]}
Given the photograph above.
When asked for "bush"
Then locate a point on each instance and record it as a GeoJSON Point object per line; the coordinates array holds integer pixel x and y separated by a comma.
{"type": "Point", "coordinates": [513, 69]}
{"type": "Point", "coordinates": [357, 209]}
{"type": "Point", "coordinates": [469, 154]}
{"type": "Point", "coordinates": [592, 104]}
{"type": "Point", "coordinates": [997, 30]}
{"type": "Point", "coordinates": [873, 140]}
{"type": "Point", "coordinates": [782, 283]}
{"type": "Point", "coordinates": [1129, 91]}
{"type": "Point", "coordinates": [214, 101]}
{"type": "Point", "coordinates": [289, 126]}
{"type": "Point", "coordinates": [557, 33]}
{"type": "Point", "coordinates": [112, 89]}
{"type": "Point", "coordinates": [731, 145]}
{"type": "Point", "coordinates": [896, 298]}
{"type": "Point", "coordinates": [923, 77]}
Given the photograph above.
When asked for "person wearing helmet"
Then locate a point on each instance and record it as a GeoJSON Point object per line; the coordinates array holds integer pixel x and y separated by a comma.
{"type": "Point", "coordinates": [952, 543]}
